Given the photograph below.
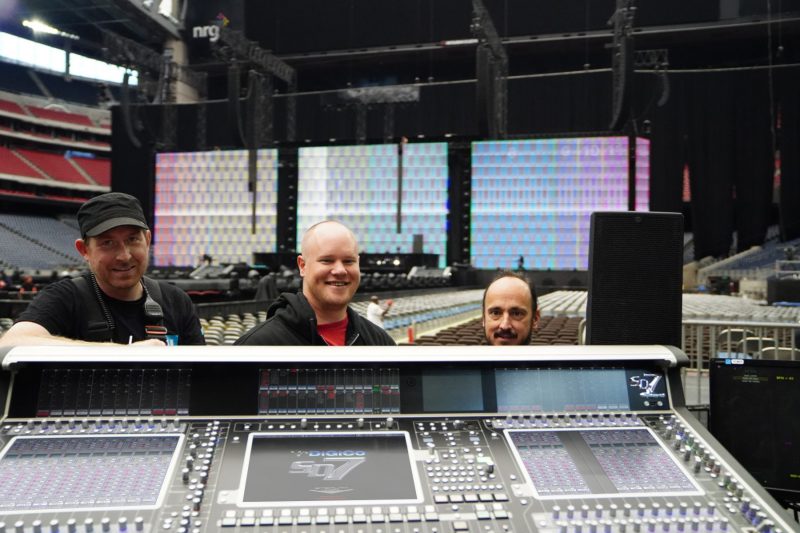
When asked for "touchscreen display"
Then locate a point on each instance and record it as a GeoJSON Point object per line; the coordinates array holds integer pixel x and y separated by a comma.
{"type": "Point", "coordinates": [303, 469]}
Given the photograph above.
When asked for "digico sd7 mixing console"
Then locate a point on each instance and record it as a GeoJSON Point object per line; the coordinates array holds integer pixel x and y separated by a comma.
{"type": "Point", "coordinates": [416, 439]}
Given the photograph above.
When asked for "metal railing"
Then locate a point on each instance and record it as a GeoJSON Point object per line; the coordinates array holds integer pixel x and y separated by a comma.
{"type": "Point", "coordinates": [703, 340]}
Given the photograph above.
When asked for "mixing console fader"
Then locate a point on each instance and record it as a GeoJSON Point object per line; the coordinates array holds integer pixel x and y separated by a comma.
{"type": "Point", "coordinates": [383, 440]}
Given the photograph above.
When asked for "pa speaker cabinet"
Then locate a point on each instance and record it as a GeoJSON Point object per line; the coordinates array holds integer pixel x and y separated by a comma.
{"type": "Point", "coordinates": [635, 277]}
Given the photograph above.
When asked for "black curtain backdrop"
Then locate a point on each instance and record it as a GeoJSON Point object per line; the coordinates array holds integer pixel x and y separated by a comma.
{"type": "Point", "coordinates": [787, 89]}
{"type": "Point", "coordinates": [717, 122]}
{"type": "Point", "coordinates": [729, 155]}
{"type": "Point", "coordinates": [560, 104]}
{"type": "Point", "coordinates": [710, 157]}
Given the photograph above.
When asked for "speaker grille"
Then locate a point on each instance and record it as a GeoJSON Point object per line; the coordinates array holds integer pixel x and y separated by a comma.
{"type": "Point", "coordinates": [635, 277]}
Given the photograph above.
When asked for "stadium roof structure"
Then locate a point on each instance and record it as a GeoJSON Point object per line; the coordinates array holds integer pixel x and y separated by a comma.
{"type": "Point", "coordinates": [138, 20]}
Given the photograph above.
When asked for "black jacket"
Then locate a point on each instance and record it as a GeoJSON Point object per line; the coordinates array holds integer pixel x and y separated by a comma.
{"type": "Point", "coordinates": [291, 322]}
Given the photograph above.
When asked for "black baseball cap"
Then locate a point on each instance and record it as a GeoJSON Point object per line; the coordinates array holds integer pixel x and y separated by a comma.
{"type": "Point", "coordinates": [108, 211]}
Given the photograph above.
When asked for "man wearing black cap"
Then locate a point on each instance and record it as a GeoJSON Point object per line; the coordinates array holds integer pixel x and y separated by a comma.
{"type": "Point", "coordinates": [114, 302]}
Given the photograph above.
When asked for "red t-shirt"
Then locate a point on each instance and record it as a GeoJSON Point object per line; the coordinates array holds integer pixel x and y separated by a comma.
{"type": "Point", "coordinates": [333, 333]}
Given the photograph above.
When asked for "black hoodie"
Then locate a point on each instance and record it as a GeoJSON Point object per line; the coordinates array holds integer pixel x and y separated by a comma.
{"type": "Point", "coordinates": [291, 322]}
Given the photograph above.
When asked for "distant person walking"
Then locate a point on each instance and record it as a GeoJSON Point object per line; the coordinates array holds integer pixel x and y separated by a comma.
{"type": "Point", "coordinates": [375, 312]}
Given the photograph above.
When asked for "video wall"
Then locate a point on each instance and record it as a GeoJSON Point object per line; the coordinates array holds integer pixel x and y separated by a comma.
{"type": "Point", "coordinates": [203, 205]}
{"type": "Point", "coordinates": [533, 198]}
{"type": "Point", "coordinates": [530, 199]}
{"type": "Point", "coordinates": [359, 186]}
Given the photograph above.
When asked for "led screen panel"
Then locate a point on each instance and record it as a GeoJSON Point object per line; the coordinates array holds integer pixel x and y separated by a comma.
{"type": "Point", "coordinates": [360, 186]}
{"type": "Point", "coordinates": [79, 472]}
{"type": "Point", "coordinates": [203, 205]}
{"type": "Point", "coordinates": [533, 198]}
{"type": "Point", "coordinates": [598, 463]}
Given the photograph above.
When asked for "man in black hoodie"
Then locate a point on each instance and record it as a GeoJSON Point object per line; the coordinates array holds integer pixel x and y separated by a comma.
{"type": "Point", "coordinates": [320, 315]}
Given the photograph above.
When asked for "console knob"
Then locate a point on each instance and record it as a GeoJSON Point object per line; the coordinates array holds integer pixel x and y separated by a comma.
{"type": "Point", "coordinates": [37, 526]}
{"type": "Point", "coordinates": [88, 525]}
{"type": "Point", "coordinates": [19, 526]}
{"type": "Point", "coordinates": [389, 422]}
{"type": "Point", "coordinates": [627, 509]}
{"type": "Point", "coordinates": [138, 523]}
{"type": "Point", "coordinates": [2, 527]}
{"type": "Point", "coordinates": [72, 525]}
{"type": "Point", "coordinates": [105, 524]}
{"type": "Point", "coordinates": [54, 526]}
{"type": "Point", "coordinates": [122, 523]}
{"type": "Point", "coordinates": [458, 424]}
{"type": "Point", "coordinates": [304, 423]}
{"type": "Point", "coordinates": [745, 505]}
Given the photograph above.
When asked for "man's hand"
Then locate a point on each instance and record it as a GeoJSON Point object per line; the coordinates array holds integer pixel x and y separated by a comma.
{"type": "Point", "coordinates": [149, 342]}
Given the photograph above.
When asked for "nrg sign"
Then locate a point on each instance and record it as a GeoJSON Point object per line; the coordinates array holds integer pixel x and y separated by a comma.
{"type": "Point", "coordinates": [211, 31]}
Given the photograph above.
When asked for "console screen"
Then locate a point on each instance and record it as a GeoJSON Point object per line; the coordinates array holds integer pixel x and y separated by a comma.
{"type": "Point", "coordinates": [602, 462]}
{"type": "Point", "coordinates": [347, 468]}
{"type": "Point", "coordinates": [540, 390]}
{"type": "Point", "coordinates": [81, 472]}
{"type": "Point", "coordinates": [452, 390]}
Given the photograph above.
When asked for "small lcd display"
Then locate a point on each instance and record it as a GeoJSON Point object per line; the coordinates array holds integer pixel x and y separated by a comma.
{"type": "Point", "coordinates": [343, 468]}
{"type": "Point", "coordinates": [754, 414]}
{"type": "Point", "coordinates": [450, 390]}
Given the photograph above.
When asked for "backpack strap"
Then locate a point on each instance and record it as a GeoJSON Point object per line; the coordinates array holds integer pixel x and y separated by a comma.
{"type": "Point", "coordinates": [99, 327]}
{"type": "Point", "coordinates": [154, 288]}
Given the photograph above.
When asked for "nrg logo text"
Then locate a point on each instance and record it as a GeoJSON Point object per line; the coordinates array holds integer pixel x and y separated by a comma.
{"type": "Point", "coordinates": [211, 31]}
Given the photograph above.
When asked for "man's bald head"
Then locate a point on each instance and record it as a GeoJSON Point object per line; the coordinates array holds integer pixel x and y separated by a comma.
{"type": "Point", "coordinates": [325, 230]}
